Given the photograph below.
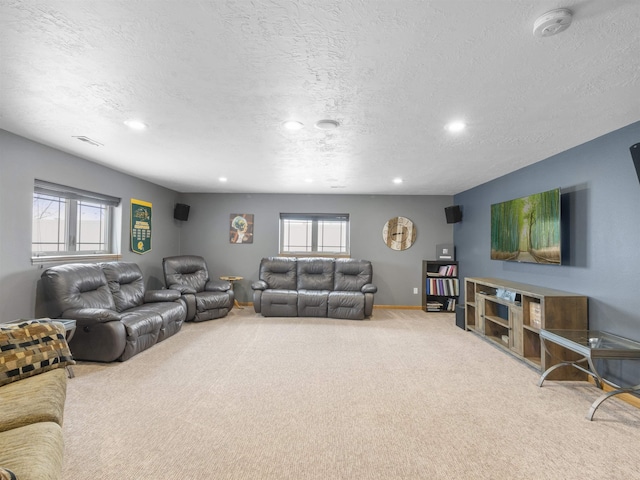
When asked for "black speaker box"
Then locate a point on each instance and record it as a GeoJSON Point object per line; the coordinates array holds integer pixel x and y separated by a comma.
{"type": "Point", "coordinates": [635, 155]}
{"type": "Point", "coordinates": [181, 212]}
{"type": "Point", "coordinates": [453, 213]}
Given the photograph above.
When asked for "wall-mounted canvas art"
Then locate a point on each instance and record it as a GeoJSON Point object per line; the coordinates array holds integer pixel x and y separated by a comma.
{"type": "Point", "coordinates": [241, 228]}
{"type": "Point", "coordinates": [527, 229]}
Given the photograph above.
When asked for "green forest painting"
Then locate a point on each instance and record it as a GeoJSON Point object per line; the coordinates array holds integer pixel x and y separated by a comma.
{"type": "Point", "coordinates": [527, 229]}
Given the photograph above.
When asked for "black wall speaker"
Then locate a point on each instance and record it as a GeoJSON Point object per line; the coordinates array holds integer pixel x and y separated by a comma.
{"type": "Point", "coordinates": [635, 155]}
{"type": "Point", "coordinates": [181, 212]}
{"type": "Point", "coordinates": [453, 213]}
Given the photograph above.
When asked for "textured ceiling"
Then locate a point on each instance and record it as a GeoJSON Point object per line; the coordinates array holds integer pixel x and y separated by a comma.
{"type": "Point", "coordinates": [215, 79]}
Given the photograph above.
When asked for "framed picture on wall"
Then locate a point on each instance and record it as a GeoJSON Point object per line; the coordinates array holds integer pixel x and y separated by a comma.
{"type": "Point", "coordinates": [241, 228]}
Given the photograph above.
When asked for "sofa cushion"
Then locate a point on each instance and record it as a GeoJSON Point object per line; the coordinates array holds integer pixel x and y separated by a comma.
{"type": "Point", "coordinates": [349, 305]}
{"type": "Point", "coordinates": [143, 329]}
{"type": "Point", "coordinates": [315, 273]}
{"type": "Point", "coordinates": [35, 399]}
{"type": "Point", "coordinates": [76, 285]}
{"type": "Point", "coordinates": [34, 451]}
{"type": "Point", "coordinates": [312, 303]}
{"type": "Point", "coordinates": [187, 270]}
{"type": "Point", "coordinates": [31, 348]}
{"type": "Point", "coordinates": [351, 274]}
{"type": "Point", "coordinates": [172, 313]}
{"type": "Point", "coordinates": [126, 283]}
{"type": "Point", "coordinates": [212, 300]}
{"type": "Point", "coordinates": [279, 273]}
{"type": "Point", "coordinates": [280, 303]}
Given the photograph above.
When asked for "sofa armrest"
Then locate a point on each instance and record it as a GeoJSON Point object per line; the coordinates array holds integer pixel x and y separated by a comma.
{"type": "Point", "coordinates": [217, 286]}
{"type": "Point", "coordinates": [151, 296]}
{"type": "Point", "coordinates": [89, 316]}
{"type": "Point", "coordinates": [259, 285]}
{"type": "Point", "coordinates": [182, 288]}
{"type": "Point", "coordinates": [369, 288]}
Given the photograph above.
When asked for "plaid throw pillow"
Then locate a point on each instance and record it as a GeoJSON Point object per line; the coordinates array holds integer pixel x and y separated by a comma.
{"type": "Point", "coordinates": [30, 348]}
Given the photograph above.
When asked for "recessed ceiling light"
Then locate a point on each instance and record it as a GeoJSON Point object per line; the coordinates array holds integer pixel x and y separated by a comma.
{"type": "Point", "coordinates": [308, 180]}
{"type": "Point", "coordinates": [397, 180]}
{"type": "Point", "coordinates": [222, 179]}
{"type": "Point", "coordinates": [327, 124]}
{"type": "Point", "coordinates": [455, 127]}
{"type": "Point", "coordinates": [135, 124]}
{"type": "Point", "coordinates": [293, 125]}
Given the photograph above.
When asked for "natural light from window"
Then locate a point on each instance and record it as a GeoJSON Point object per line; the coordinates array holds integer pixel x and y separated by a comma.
{"type": "Point", "coordinates": [314, 234]}
{"type": "Point", "coordinates": [68, 221]}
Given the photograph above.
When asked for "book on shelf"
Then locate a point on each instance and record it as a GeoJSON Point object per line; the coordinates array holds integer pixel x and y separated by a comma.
{"type": "Point", "coordinates": [448, 271]}
{"type": "Point", "coordinates": [535, 315]}
{"type": "Point", "coordinates": [445, 271]}
{"type": "Point", "coordinates": [434, 306]}
{"type": "Point", "coordinates": [443, 287]}
{"type": "Point", "coordinates": [448, 306]}
{"type": "Point", "coordinates": [451, 305]}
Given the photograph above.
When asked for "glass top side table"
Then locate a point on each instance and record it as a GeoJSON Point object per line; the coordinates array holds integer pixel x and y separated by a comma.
{"type": "Point", "coordinates": [592, 345]}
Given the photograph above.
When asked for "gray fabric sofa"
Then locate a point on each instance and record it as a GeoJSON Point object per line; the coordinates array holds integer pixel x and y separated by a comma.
{"type": "Point", "coordinates": [33, 389]}
{"type": "Point", "coordinates": [116, 316]}
{"type": "Point", "coordinates": [314, 287]}
{"type": "Point", "coordinates": [204, 297]}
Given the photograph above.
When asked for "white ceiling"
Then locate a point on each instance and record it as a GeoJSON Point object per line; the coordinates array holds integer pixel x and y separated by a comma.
{"type": "Point", "coordinates": [215, 79]}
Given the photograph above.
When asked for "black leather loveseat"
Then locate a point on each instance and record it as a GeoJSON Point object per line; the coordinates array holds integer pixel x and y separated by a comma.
{"type": "Point", "coordinates": [116, 318]}
{"type": "Point", "coordinates": [314, 287]}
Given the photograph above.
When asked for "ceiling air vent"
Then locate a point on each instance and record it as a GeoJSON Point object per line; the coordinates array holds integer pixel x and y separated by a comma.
{"type": "Point", "coordinates": [88, 140]}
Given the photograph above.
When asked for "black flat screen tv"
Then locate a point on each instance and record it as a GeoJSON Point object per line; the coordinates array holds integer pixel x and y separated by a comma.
{"type": "Point", "coordinates": [527, 229]}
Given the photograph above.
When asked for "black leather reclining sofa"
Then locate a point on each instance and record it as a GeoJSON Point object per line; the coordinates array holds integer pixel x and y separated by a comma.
{"type": "Point", "coordinates": [116, 317]}
{"type": "Point", "coordinates": [314, 287]}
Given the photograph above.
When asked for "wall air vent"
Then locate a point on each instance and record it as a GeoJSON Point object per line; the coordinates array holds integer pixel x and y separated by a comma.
{"type": "Point", "coordinates": [88, 140]}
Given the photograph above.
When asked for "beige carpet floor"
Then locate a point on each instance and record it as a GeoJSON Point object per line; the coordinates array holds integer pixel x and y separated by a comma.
{"type": "Point", "coordinates": [404, 395]}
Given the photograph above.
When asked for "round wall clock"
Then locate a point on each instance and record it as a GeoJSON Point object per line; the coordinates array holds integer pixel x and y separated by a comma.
{"type": "Point", "coordinates": [399, 233]}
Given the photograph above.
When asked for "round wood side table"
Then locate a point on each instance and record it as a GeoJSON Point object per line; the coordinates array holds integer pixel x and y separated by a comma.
{"type": "Point", "coordinates": [233, 278]}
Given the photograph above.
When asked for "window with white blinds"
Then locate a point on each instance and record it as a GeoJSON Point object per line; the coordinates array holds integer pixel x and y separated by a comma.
{"type": "Point", "coordinates": [314, 234]}
{"type": "Point", "coordinates": [68, 221]}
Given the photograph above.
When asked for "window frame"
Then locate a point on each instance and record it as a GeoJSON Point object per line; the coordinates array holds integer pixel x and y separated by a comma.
{"type": "Point", "coordinates": [315, 218]}
{"type": "Point", "coordinates": [72, 199]}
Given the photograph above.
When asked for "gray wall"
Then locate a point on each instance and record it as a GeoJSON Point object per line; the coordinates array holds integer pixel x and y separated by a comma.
{"type": "Point", "coordinates": [396, 273]}
{"type": "Point", "coordinates": [206, 232]}
{"type": "Point", "coordinates": [600, 188]}
{"type": "Point", "coordinates": [20, 162]}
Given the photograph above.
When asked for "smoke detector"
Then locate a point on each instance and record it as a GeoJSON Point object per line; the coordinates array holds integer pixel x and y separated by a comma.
{"type": "Point", "coordinates": [552, 22]}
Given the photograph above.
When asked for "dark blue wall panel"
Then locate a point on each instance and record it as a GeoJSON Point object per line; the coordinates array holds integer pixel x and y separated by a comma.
{"type": "Point", "coordinates": [601, 193]}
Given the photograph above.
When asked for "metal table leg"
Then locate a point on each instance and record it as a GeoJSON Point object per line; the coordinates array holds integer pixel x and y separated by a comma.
{"type": "Point", "coordinates": [604, 396]}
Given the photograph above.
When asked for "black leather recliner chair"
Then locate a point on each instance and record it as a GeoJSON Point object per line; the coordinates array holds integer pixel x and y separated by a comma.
{"type": "Point", "coordinates": [205, 298]}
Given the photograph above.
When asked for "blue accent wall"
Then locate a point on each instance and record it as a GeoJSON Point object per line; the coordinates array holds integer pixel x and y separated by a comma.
{"type": "Point", "coordinates": [601, 205]}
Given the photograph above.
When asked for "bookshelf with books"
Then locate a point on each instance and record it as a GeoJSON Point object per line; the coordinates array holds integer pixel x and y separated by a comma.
{"type": "Point", "coordinates": [440, 285]}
